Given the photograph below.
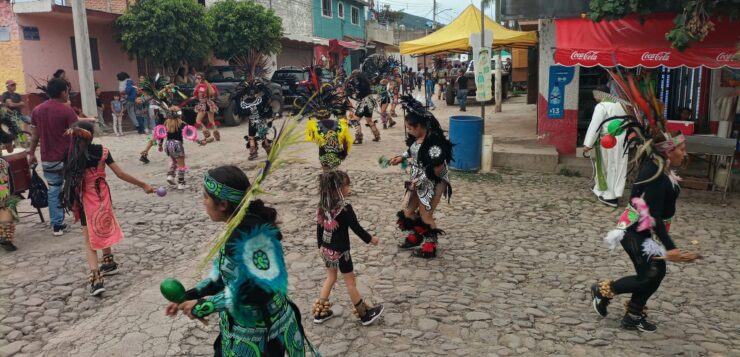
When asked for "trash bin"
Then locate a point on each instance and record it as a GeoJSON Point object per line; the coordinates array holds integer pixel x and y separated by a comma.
{"type": "Point", "coordinates": [466, 134]}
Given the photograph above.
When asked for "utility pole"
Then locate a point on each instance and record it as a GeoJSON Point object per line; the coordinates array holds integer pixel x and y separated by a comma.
{"type": "Point", "coordinates": [84, 59]}
{"type": "Point", "coordinates": [475, 56]}
{"type": "Point", "coordinates": [434, 14]}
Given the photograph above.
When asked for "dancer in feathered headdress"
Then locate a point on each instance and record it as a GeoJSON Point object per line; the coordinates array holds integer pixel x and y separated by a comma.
{"type": "Point", "coordinates": [253, 104]}
{"type": "Point", "coordinates": [327, 124]}
{"type": "Point", "coordinates": [248, 284]}
{"type": "Point", "coordinates": [643, 227]}
{"type": "Point", "coordinates": [429, 152]}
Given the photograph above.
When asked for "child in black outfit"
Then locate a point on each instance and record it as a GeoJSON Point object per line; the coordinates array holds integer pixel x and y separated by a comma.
{"type": "Point", "coordinates": [335, 217]}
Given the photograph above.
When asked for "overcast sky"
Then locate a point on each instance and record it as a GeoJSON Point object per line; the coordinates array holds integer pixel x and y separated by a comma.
{"type": "Point", "coordinates": [424, 7]}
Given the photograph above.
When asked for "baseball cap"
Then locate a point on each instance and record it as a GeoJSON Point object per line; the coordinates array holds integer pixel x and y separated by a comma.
{"type": "Point", "coordinates": [9, 82]}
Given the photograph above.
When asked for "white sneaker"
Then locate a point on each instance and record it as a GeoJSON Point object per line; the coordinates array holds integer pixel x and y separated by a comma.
{"type": "Point", "coordinates": [171, 180]}
{"type": "Point", "coordinates": [181, 186]}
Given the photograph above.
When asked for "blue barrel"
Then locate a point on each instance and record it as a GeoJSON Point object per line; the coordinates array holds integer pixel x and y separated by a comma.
{"type": "Point", "coordinates": [466, 134]}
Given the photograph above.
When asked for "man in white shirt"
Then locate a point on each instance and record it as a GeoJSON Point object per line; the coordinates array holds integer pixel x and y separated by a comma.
{"type": "Point", "coordinates": [611, 164]}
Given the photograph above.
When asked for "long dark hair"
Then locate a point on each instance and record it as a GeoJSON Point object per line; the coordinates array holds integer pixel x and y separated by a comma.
{"type": "Point", "coordinates": [75, 162]}
{"type": "Point", "coordinates": [235, 178]}
{"type": "Point", "coordinates": [417, 115]}
{"type": "Point", "coordinates": [330, 190]}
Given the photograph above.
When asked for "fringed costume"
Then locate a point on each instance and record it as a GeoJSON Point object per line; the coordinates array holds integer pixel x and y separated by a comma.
{"type": "Point", "coordinates": [8, 204]}
{"type": "Point", "coordinates": [253, 104]}
{"type": "Point", "coordinates": [643, 227]}
{"type": "Point", "coordinates": [327, 125]}
{"type": "Point", "coordinates": [428, 180]}
{"type": "Point", "coordinates": [358, 88]}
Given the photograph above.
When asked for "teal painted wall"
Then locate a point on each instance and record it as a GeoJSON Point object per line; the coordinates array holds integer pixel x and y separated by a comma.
{"type": "Point", "coordinates": [336, 27]}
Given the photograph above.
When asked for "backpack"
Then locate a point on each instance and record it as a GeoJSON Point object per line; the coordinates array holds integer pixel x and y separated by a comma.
{"type": "Point", "coordinates": [38, 193]}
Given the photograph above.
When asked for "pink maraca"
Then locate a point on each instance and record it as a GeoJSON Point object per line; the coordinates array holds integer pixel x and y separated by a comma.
{"type": "Point", "coordinates": [161, 191]}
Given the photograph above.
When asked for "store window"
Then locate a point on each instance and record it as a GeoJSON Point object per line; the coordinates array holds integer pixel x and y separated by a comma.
{"type": "Point", "coordinates": [355, 16]}
{"type": "Point", "coordinates": [340, 9]}
{"type": "Point", "coordinates": [326, 8]}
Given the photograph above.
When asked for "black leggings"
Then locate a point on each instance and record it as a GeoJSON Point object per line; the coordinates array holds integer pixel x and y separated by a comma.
{"type": "Point", "coordinates": [650, 273]}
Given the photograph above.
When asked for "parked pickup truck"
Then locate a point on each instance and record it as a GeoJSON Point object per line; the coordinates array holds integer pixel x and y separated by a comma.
{"type": "Point", "coordinates": [225, 79]}
{"type": "Point", "coordinates": [451, 91]}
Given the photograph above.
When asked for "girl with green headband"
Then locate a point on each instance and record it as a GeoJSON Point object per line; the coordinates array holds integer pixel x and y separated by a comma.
{"type": "Point", "coordinates": [248, 286]}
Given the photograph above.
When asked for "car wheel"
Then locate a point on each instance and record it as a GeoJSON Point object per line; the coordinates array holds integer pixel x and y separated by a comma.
{"type": "Point", "coordinates": [450, 95]}
{"type": "Point", "coordinates": [229, 119]}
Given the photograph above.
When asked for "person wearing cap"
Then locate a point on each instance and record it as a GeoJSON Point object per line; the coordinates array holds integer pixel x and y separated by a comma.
{"type": "Point", "coordinates": [611, 164]}
{"type": "Point", "coordinates": [14, 102]}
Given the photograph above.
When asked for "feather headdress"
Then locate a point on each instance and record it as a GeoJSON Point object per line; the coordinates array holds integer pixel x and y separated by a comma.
{"type": "Point", "coordinates": [322, 104]}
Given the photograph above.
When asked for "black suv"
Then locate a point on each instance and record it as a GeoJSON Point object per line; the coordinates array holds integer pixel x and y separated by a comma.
{"type": "Point", "coordinates": [225, 79]}
{"type": "Point", "coordinates": [294, 81]}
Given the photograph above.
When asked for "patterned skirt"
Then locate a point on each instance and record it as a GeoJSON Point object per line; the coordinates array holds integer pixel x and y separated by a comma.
{"type": "Point", "coordinates": [206, 105]}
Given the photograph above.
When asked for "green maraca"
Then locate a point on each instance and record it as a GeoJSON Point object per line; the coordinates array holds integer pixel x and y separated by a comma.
{"type": "Point", "coordinates": [172, 290]}
{"type": "Point", "coordinates": [614, 127]}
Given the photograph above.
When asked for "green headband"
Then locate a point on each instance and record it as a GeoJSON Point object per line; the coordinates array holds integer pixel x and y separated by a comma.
{"type": "Point", "coordinates": [222, 191]}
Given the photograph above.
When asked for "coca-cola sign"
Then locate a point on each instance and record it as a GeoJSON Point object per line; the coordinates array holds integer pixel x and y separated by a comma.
{"type": "Point", "coordinates": [658, 56]}
{"type": "Point", "coordinates": [584, 56]}
{"type": "Point", "coordinates": [724, 57]}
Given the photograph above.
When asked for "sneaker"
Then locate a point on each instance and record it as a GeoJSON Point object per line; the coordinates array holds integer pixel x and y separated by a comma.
{"type": "Point", "coordinates": [371, 315]}
{"type": "Point", "coordinates": [171, 180]}
{"type": "Point", "coordinates": [59, 230]}
{"type": "Point", "coordinates": [181, 186]}
{"type": "Point", "coordinates": [599, 303]}
{"type": "Point", "coordinates": [391, 123]}
{"type": "Point", "coordinates": [144, 159]}
{"type": "Point", "coordinates": [8, 246]}
{"type": "Point", "coordinates": [634, 322]}
{"type": "Point", "coordinates": [96, 285]}
{"type": "Point", "coordinates": [610, 203]}
{"type": "Point", "coordinates": [320, 319]}
{"type": "Point", "coordinates": [109, 267]}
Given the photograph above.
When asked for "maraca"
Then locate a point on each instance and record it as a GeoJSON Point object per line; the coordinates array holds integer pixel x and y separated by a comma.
{"type": "Point", "coordinates": [161, 191]}
{"type": "Point", "coordinates": [172, 290]}
{"type": "Point", "coordinates": [608, 141]}
{"type": "Point", "coordinates": [614, 127]}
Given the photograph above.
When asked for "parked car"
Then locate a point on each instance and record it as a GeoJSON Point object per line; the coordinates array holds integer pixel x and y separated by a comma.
{"type": "Point", "coordinates": [451, 91]}
{"type": "Point", "coordinates": [295, 80]}
{"type": "Point", "coordinates": [225, 79]}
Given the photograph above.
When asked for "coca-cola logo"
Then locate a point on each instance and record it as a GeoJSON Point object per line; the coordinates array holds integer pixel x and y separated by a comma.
{"type": "Point", "coordinates": [724, 57]}
{"type": "Point", "coordinates": [585, 56]}
{"type": "Point", "coordinates": [658, 56]}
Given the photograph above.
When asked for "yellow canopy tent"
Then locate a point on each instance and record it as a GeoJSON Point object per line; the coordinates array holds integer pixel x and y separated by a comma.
{"type": "Point", "coordinates": [455, 36]}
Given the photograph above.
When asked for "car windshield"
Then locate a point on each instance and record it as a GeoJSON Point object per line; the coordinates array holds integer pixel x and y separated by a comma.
{"type": "Point", "coordinates": [224, 74]}
{"type": "Point", "coordinates": [289, 76]}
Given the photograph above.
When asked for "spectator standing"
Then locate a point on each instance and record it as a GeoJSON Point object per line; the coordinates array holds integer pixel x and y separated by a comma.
{"type": "Point", "coordinates": [116, 108]}
{"type": "Point", "coordinates": [128, 96]}
{"type": "Point", "coordinates": [141, 110]}
{"type": "Point", "coordinates": [429, 87]}
{"type": "Point", "coordinates": [462, 90]}
{"type": "Point", "coordinates": [50, 120]}
{"type": "Point", "coordinates": [14, 102]}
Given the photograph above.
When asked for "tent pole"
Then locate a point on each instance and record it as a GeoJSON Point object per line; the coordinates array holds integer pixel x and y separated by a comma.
{"type": "Point", "coordinates": [482, 43]}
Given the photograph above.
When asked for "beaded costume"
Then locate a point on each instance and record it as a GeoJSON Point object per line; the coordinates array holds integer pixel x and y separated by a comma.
{"type": "Point", "coordinates": [327, 125]}
{"type": "Point", "coordinates": [253, 99]}
{"type": "Point", "coordinates": [8, 204]}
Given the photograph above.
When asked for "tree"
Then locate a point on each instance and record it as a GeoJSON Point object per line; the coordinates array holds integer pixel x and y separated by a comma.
{"type": "Point", "coordinates": [165, 32]}
{"type": "Point", "coordinates": [245, 30]}
{"type": "Point", "coordinates": [692, 23]}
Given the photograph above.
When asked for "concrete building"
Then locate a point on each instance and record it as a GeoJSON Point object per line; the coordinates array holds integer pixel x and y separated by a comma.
{"type": "Point", "coordinates": [37, 38]}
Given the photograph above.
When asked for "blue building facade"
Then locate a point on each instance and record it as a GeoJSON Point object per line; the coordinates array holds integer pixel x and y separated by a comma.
{"type": "Point", "coordinates": [339, 19]}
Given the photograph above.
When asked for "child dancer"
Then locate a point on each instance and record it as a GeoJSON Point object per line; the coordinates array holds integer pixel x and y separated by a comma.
{"type": "Point", "coordinates": [331, 134]}
{"type": "Point", "coordinates": [248, 286]}
{"type": "Point", "coordinates": [205, 93]}
{"type": "Point", "coordinates": [116, 107]}
{"type": "Point", "coordinates": [86, 194]}
{"type": "Point", "coordinates": [335, 217]}
{"type": "Point", "coordinates": [174, 147]}
{"type": "Point", "coordinates": [8, 201]}
{"type": "Point", "coordinates": [430, 152]}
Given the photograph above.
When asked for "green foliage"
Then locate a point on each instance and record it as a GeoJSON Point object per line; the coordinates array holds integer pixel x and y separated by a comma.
{"type": "Point", "coordinates": [165, 31]}
{"type": "Point", "coordinates": [692, 23]}
{"type": "Point", "coordinates": [244, 28]}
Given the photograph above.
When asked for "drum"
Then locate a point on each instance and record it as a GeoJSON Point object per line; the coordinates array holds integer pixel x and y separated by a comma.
{"type": "Point", "coordinates": [20, 172]}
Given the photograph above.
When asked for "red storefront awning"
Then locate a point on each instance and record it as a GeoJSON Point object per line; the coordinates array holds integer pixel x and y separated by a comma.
{"type": "Point", "coordinates": [333, 44]}
{"type": "Point", "coordinates": [628, 43]}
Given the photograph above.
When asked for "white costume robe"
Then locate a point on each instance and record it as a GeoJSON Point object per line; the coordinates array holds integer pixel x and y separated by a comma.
{"type": "Point", "coordinates": [614, 159]}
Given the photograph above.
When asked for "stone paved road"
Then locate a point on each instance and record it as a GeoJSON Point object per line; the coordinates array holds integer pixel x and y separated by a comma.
{"type": "Point", "coordinates": [520, 252]}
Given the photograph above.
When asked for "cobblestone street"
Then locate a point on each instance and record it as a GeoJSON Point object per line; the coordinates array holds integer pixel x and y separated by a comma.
{"type": "Point", "coordinates": [512, 277]}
